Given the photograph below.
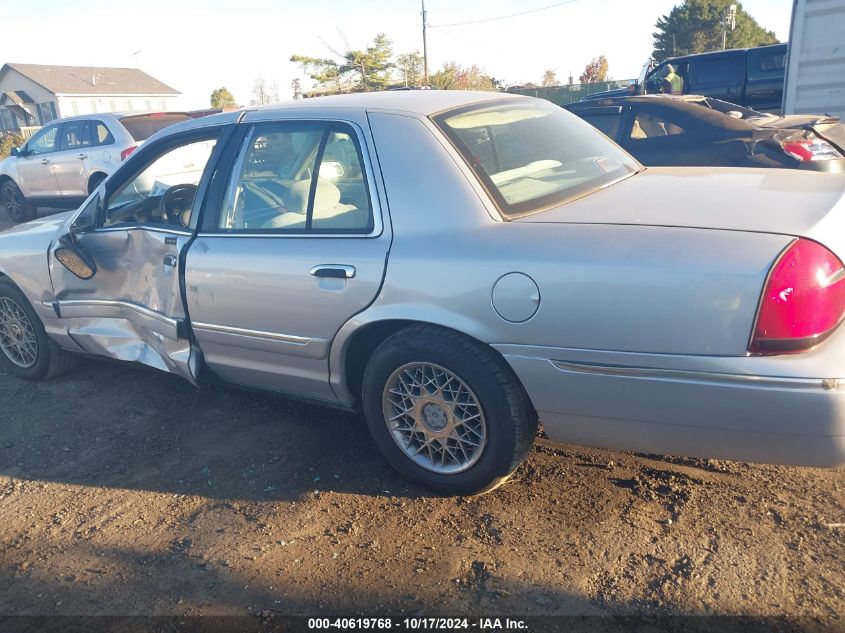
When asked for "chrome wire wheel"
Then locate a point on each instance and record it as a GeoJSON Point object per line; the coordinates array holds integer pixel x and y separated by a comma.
{"type": "Point", "coordinates": [17, 336]}
{"type": "Point", "coordinates": [12, 202]}
{"type": "Point", "coordinates": [434, 418]}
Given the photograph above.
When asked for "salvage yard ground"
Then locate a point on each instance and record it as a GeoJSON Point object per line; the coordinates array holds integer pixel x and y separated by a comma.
{"type": "Point", "coordinates": [126, 491]}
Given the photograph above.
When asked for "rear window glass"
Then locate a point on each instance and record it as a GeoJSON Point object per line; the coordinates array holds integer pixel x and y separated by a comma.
{"type": "Point", "coordinates": [531, 155]}
{"type": "Point", "coordinates": [144, 126]}
{"type": "Point", "coordinates": [771, 61]}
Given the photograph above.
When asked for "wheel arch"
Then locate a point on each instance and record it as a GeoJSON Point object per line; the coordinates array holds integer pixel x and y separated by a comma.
{"type": "Point", "coordinates": [5, 178]}
{"type": "Point", "coordinates": [98, 176]}
{"type": "Point", "coordinates": [357, 346]}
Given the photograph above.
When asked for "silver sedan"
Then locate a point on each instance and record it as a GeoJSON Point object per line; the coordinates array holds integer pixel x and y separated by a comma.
{"type": "Point", "coordinates": [457, 266]}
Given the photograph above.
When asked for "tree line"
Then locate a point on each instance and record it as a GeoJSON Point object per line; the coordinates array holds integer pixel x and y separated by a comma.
{"type": "Point", "coordinates": [694, 26]}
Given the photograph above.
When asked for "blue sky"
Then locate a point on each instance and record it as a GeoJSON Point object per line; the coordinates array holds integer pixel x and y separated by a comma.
{"type": "Point", "coordinates": [197, 46]}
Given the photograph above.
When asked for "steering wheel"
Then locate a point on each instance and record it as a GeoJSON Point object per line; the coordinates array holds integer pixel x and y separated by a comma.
{"type": "Point", "coordinates": [174, 202]}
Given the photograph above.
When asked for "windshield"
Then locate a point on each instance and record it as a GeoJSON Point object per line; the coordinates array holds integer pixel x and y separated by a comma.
{"type": "Point", "coordinates": [143, 126]}
{"type": "Point", "coordinates": [532, 155]}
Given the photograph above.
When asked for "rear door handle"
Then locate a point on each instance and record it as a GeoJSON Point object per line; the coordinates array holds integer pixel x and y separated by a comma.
{"type": "Point", "coordinates": [45, 161]}
{"type": "Point", "coordinates": [337, 271]}
{"type": "Point", "coordinates": [82, 156]}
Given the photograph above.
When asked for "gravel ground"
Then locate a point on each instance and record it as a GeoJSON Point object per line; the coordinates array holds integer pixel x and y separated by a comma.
{"type": "Point", "coordinates": [126, 491]}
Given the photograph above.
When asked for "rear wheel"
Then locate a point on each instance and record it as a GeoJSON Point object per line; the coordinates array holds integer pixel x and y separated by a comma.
{"type": "Point", "coordinates": [17, 207]}
{"type": "Point", "coordinates": [447, 412]}
{"type": "Point", "coordinates": [25, 348]}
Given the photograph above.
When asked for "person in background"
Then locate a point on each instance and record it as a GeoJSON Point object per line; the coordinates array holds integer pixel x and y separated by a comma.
{"type": "Point", "coordinates": [673, 83]}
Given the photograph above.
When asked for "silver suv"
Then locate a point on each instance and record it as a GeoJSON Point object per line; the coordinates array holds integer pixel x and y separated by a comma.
{"type": "Point", "coordinates": [67, 159]}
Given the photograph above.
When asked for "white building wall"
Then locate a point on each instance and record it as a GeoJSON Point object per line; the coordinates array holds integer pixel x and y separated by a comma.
{"type": "Point", "coordinates": [71, 105]}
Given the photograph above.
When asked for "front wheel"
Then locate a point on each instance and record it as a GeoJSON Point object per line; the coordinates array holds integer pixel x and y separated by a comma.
{"type": "Point", "coordinates": [25, 348]}
{"type": "Point", "coordinates": [446, 411]}
{"type": "Point", "coordinates": [17, 207]}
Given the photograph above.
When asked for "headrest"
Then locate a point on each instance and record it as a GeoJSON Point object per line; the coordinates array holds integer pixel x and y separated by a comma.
{"type": "Point", "coordinates": [326, 197]}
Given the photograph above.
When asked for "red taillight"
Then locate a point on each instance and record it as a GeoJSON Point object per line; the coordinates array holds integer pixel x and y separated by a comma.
{"type": "Point", "coordinates": [803, 301]}
{"type": "Point", "coordinates": [812, 148]}
{"type": "Point", "coordinates": [127, 152]}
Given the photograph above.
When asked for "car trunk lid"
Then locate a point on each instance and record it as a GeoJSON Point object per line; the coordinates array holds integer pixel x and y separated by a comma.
{"type": "Point", "coordinates": [830, 128]}
{"type": "Point", "coordinates": [779, 201]}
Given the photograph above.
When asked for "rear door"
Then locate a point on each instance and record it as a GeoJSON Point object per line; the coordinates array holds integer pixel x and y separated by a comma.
{"type": "Point", "coordinates": [72, 161]}
{"type": "Point", "coordinates": [720, 75]}
{"type": "Point", "coordinates": [296, 246]}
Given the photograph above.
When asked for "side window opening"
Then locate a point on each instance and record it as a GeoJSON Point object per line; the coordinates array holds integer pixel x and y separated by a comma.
{"type": "Point", "coordinates": [652, 126]}
{"type": "Point", "coordinates": [294, 178]}
{"type": "Point", "coordinates": [43, 142]}
{"type": "Point", "coordinates": [163, 192]}
{"type": "Point", "coordinates": [75, 135]}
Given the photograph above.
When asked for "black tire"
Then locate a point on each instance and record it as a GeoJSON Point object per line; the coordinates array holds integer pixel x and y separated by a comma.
{"type": "Point", "coordinates": [51, 360]}
{"type": "Point", "coordinates": [94, 182]}
{"type": "Point", "coordinates": [17, 207]}
{"type": "Point", "coordinates": [511, 422]}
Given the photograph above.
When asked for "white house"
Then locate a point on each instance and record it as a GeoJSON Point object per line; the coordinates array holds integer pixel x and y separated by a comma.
{"type": "Point", "coordinates": [34, 94]}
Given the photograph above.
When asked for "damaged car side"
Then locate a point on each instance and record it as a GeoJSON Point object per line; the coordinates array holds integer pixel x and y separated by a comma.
{"type": "Point", "coordinates": [456, 266]}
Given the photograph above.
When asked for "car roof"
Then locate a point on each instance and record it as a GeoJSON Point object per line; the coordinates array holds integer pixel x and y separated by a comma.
{"type": "Point", "coordinates": [420, 102]}
{"type": "Point", "coordinates": [415, 102]}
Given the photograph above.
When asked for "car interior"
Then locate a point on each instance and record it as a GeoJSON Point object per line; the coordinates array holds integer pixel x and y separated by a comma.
{"type": "Point", "coordinates": [522, 160]}
{"type": "Point", "coordinates": [163, 193]}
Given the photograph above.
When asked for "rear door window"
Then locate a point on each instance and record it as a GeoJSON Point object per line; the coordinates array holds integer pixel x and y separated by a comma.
{"type": "Point", "coordinates": [712, 72]}
{"type": "Point", "coordinates": [143, 126]}
{"type": "Point", "coordinates": [298, 177]}
{"type": "Point", "coordinates": [75, 134]}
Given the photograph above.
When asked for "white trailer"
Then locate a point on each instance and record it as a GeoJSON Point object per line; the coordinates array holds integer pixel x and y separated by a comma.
{"type": "Point", "coordinates": [815, 72]}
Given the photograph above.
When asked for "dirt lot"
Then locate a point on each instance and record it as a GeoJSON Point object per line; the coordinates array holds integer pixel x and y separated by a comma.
{"type": "Point", "coordinates": [125, 491]}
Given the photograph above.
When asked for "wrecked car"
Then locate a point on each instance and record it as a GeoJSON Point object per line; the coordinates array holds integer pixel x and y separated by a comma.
{"type": "Point", "coordinates": [667, 130]}
{"type": "Point", "coordinates": [457, 266]}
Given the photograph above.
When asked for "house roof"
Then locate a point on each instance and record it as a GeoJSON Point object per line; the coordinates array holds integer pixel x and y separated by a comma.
{"type": "Point", "coordinates": [92, 80]}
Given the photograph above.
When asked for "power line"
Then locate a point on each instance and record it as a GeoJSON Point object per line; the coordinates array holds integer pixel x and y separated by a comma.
{"type": "Point", "coordinates": [502, 17]}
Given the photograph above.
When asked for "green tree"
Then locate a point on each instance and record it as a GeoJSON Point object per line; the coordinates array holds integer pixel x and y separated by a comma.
{"type": "Point", "coordinates": [453, 76]}
{"type": "Point", "coordinates": [410, 68]}
{"type": "Point", "coordinates": [8, 140]}
{"type": "Point", "coordinates": [222, 98]}
{"type": "Point", "coordinates": [595, 71]}
{"type": "Point", "coordinates": [697, 26]}
{"type": "Point", "coordinates": [353, 70]}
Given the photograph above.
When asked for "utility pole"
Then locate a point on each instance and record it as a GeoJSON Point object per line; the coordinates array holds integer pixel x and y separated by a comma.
{"type": "Point", "coordinates": [425, 48]}
{"type": "Point", "coordinates": [728, 21]}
